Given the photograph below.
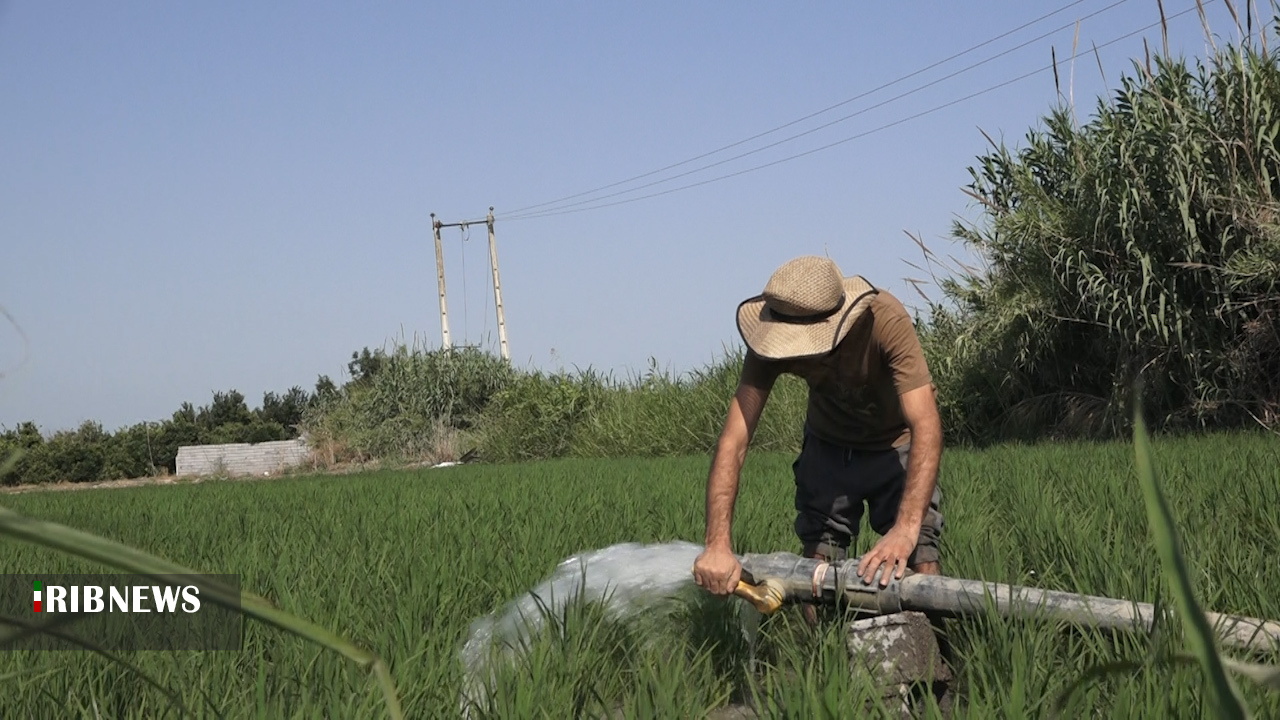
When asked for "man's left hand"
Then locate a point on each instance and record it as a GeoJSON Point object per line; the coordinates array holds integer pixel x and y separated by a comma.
{"type": "Point", "coordinates": [894, 549]}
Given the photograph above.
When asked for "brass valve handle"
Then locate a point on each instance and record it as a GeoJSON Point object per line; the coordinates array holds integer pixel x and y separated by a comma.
{"type": "Point", "coordinates": [767, 597]}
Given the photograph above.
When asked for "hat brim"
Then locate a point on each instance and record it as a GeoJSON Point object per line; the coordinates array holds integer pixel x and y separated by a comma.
{"type": "Point", "coordinates": [775, 339]}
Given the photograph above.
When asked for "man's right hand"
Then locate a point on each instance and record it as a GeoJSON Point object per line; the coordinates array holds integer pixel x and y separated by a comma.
{"type": "Point", "coordinates": [717, 570]}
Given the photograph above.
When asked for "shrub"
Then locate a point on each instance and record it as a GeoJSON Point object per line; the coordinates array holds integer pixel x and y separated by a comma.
{"type": "Point", "coordinates": [658, 413]}
{"type": "Point", "coordinates": [400, 410]}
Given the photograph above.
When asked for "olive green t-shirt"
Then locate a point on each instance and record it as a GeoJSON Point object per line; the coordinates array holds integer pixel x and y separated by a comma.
{"type": "Point", "coordinates": [853, 391]}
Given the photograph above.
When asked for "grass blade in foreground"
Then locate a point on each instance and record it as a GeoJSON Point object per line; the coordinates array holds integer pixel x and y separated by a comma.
{"type": "Point", "coordinates": [9, 462]}
{"type": "Point", "coordinates": [1267, 676]}
{"type": "Point", "coordinates": [108, 552]}
{"type": "Point", "coordinates": [1264, 675]}
{"type": "Point", "coordinates": [1199, 634]}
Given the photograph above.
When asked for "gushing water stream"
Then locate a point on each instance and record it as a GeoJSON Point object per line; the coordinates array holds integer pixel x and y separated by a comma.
{"type": "Point", "coordinates": [629, 578]}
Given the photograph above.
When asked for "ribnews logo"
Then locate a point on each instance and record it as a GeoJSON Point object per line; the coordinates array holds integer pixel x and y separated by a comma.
{"type": "Point", "coordinates": [162, 598]}
{"type": "Point", "coordinates": [119, 612]}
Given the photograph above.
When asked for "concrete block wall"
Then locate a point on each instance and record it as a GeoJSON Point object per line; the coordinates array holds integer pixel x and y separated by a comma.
{"type": "Point", "coordinates": [242, 458]}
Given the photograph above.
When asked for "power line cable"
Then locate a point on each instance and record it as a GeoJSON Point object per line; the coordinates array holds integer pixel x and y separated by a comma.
{"type": "Point", "coordinates": [798, 120]}
{"type": "Point", "coordinates": [553, 212]}
{"type": "Point", "coordinates": [813, 114]}
{"type": "Point", "coordinates": [513, 215]}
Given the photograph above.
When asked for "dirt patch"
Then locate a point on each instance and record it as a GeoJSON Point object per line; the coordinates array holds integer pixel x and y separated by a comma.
{"type": "Point", "coordinates": [103, 485]}
{"type": "Point", "coordinates": [134, 482]}
{"type": "Point", "coordinates": [733, 712]}
{"type": "Point", "coordinates": [196, 480]}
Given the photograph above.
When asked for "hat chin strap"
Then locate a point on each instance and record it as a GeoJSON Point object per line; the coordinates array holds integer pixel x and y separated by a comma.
{"type": "Point", "coordinates": [807, 319]}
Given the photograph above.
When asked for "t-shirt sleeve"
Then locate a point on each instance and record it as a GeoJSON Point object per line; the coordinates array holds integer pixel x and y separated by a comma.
{"type": "Point", "coordinates": [903, 355]}
{"type": "Point", "coordinates": [759, 373]}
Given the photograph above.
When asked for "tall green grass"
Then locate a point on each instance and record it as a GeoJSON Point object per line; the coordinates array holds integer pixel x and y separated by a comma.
{"type": "Point", "coordinates": [1199, 634]}
{"type": "Point", "coordinates": [434, 405]}
{"type": "Point", "coordinates": [654, 414]}
{"type": "Point", "coordinates": [400, 563]}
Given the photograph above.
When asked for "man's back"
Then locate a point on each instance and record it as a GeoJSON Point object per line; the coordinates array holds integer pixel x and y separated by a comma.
{"type": "Point", "coordinates": [853, 391]}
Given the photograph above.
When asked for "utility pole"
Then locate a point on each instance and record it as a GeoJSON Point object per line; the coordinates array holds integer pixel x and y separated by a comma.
{"type": "Point", "coordinates": [444, 310]}
{"type": "Point", "coordinates": [436, 225]}
{"type": "Point", "coordinates": [497, 291]}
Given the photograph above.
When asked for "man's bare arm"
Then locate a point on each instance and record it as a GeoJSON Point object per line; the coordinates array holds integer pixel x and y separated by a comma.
{"type": "Point", "coordinates": [717, 568]}
{"type": "Point", "coordinates": [726, 466]}
{"type": "Point", "coordinates": [920, 409]}
{"type": "Point", "coordinates": [921, 412]}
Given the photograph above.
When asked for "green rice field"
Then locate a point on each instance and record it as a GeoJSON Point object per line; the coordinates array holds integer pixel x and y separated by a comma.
{"type": "Point", "coordinates": [402, 563]}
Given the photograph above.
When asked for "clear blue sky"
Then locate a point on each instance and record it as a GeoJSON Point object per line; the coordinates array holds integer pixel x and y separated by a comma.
{"type": "Point", "coordinates": [205, 196]}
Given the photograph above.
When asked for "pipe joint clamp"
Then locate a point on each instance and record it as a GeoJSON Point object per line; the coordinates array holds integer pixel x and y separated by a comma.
{"type": "Point", "coordinates": [870, 597]}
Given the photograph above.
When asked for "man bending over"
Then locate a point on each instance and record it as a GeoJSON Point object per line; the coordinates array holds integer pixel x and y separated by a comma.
{"type": "Point", "coordinates": [872, 434]}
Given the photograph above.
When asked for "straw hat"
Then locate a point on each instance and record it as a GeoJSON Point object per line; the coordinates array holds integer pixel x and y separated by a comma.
{"type": "Point", "coordinates": [806, 309]}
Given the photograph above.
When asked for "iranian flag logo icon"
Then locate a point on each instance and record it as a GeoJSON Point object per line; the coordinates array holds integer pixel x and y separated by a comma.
{"type": "Point", "coordinates": [37, 596]}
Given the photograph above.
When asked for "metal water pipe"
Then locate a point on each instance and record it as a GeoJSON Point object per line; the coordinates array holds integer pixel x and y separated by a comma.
{"type": "Point", "coordinates": [772, 580]}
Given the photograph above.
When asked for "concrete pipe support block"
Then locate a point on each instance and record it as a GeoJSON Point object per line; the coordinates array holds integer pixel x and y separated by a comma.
{"type": "Point", "coordinates": [901, 652]}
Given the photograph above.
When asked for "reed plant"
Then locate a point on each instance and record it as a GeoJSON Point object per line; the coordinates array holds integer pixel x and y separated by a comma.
{"type": "Point", "coordinates": [1140, 243]}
